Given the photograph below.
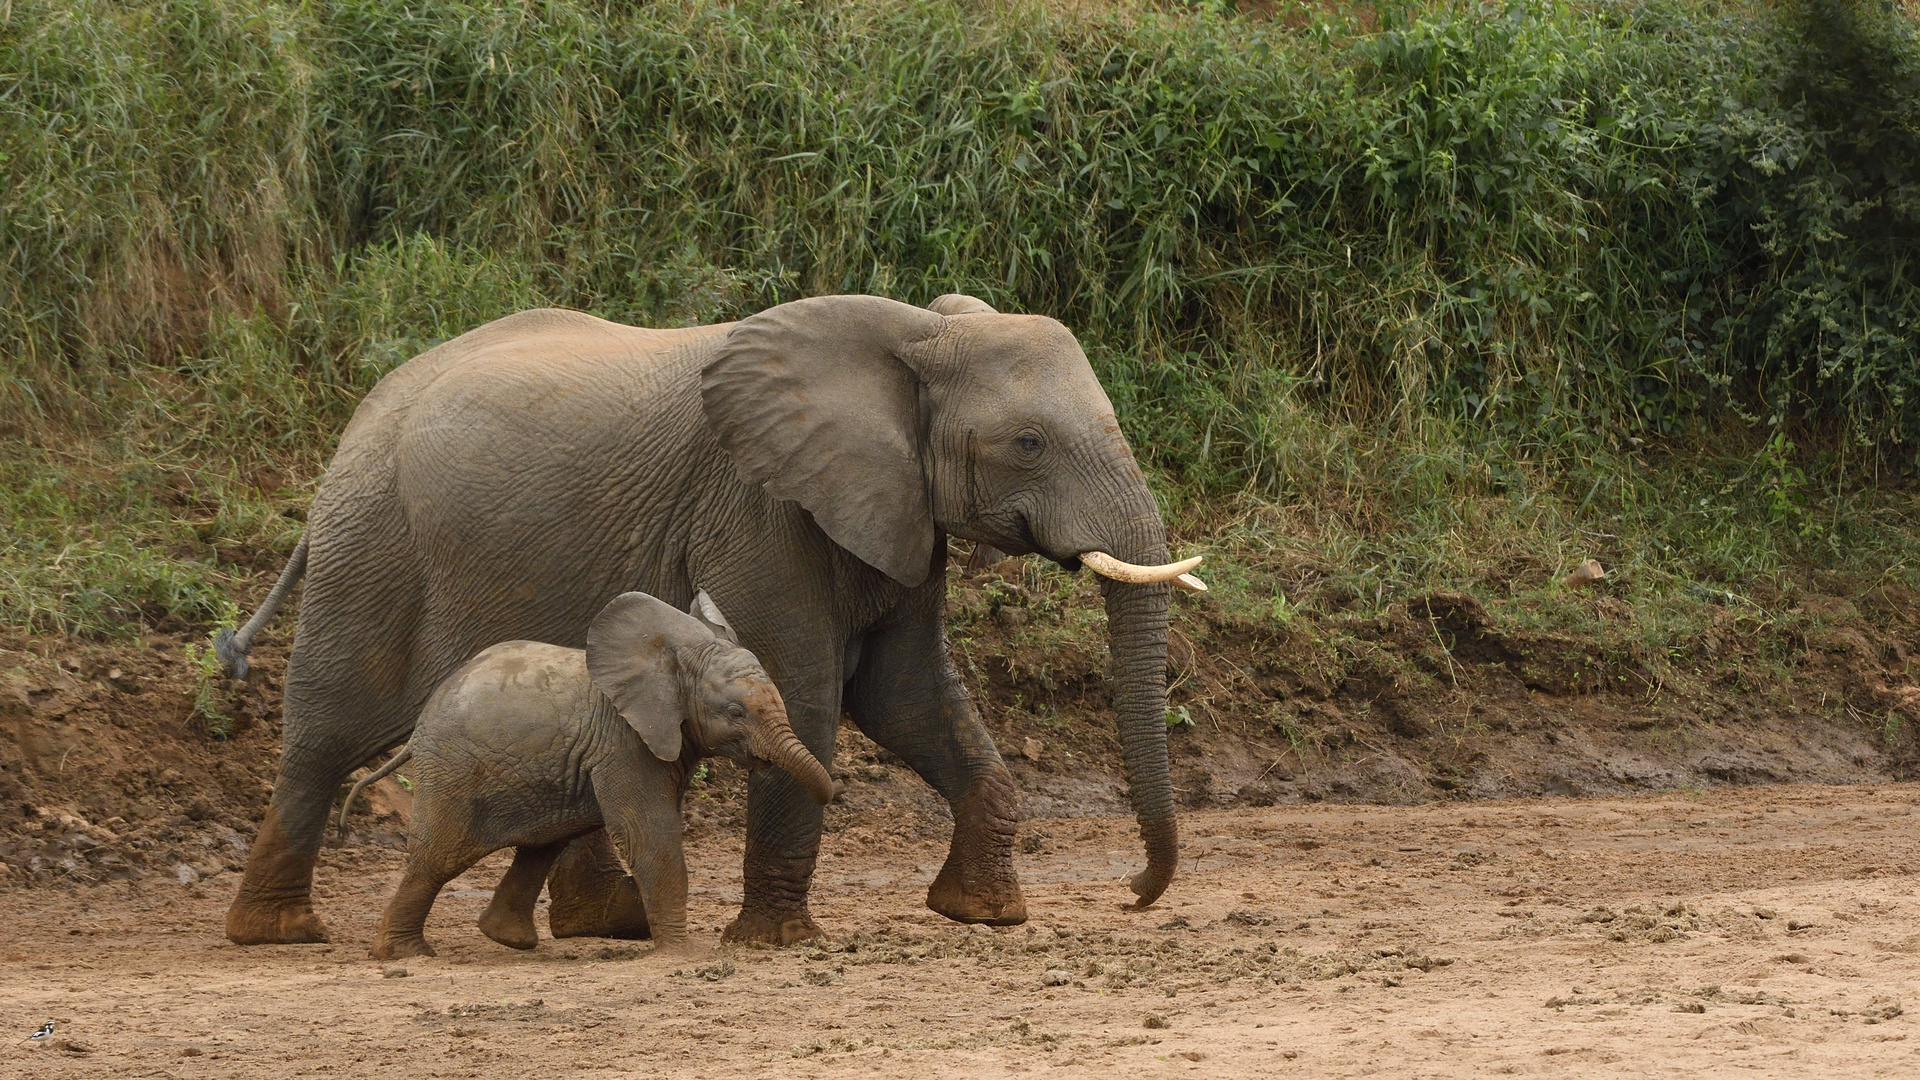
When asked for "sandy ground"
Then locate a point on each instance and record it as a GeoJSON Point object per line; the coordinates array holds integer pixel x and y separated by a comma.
{"type": "Point", "coordinates": [1751, 932]}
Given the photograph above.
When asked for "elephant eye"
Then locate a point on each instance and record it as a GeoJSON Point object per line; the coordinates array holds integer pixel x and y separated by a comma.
{"type": "Point", "coordinates": [736, 710]}
{"type": "Point", "coordinates": [1028, 443]}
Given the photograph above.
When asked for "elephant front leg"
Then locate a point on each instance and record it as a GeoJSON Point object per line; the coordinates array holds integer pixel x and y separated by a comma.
{"type": "Point", "coordinates": [592, 895]}
{"type": "Point", "coordinates": [783, 840]}
{"type": "Point", "coordinates": [642, 810]}
{"type": "Point", "coordinates": [908, 698]}
{"type": "Point", "coordinates": [978, 883]}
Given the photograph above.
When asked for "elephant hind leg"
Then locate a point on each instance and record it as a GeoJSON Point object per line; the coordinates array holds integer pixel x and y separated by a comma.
{"type": "Point", "coordinates": [592, 894]}
{"type": "Point", "coordinates": [331, 729]}
{"type": "Point", "coordinates": [403, 928]}
{"type": "Point", "coordinates": [509, 918]}
{"type": "Point", "coordinates": [274, 905]}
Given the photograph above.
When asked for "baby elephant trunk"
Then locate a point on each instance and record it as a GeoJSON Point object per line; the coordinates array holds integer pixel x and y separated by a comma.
{"type": "Point", "coordinates": [773, 740]}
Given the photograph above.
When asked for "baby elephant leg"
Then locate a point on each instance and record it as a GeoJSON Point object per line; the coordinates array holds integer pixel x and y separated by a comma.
{"type": "Point", "coordinates": [402, 929]}
{"type": "Point", "coordinates": [591, 894]}
{"type": "Point", "coordinates": [642, 812]}
{"type": "Point", "coordinates": [509, 919]}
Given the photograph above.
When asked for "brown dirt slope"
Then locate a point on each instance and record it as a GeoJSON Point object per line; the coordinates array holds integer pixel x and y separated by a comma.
{"type": "Point", "coordinates": [109, 771]}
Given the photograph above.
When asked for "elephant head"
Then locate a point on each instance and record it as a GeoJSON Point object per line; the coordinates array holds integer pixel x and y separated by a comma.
{"type": "Point", "coordinates": [890, 423]}
{"type": "Point", "coordinates": [677, 678]}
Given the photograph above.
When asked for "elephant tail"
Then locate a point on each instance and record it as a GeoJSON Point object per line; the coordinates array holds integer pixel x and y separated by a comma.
{"type": "Point", "coordinates": [397, 760]}
{"type": "Point", "coordinates": [232, 646]}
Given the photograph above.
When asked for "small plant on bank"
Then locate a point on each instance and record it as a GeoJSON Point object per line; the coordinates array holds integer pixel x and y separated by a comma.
{"type": "Point", "coordinates": [210, 696]}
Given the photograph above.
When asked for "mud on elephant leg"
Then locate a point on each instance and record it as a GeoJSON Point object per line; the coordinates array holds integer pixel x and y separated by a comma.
{"type": "Point", "coordinates": [978, 883]}
{"type": "Point", "coordinates": [592, 894]}
{"type": "Point", "coordinates": [274, 905]}
{"type": "Point", "coordinates": [509, 918]}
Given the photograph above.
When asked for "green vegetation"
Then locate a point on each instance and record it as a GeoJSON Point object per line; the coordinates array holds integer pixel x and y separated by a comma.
{"type": "Point", "coordinates": [1452, 296]}
{"type": "Point", "coordinates": [209, 684]}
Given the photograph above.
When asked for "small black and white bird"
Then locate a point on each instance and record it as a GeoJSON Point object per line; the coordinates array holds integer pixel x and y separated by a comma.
{"type": "Point", "coordinates": [45, 1033]}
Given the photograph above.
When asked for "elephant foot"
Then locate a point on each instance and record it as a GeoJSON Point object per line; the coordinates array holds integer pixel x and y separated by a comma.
{"type": "Point", "coordinates": [258, 924]}
{"type": "Point", "coordinates": [754, 928]}
{"type": "Point", "coordinates": [618, 913]}
{"type": "Point", "coordinates": [774, 911]}
{"type": "Point", "coordinates": [592, 896]}
{"type": "Point", "coordinates": [977, 884]}
{"type": "Point", "coordinates": [399, 947]}
{"type": "Point", "coordinates": [995, 903]}
{"type": "Point", "coordinates": [273, 906]}
{"type": "Point", "coordinates": [677, 948]}
{"type": "Point", "coordinates": [509, 917]}
{"type": "Point", "coordinates": [514, 929]}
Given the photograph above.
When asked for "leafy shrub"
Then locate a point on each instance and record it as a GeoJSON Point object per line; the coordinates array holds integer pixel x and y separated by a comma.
{"type": "Point", "coordinates": [1451, 248]}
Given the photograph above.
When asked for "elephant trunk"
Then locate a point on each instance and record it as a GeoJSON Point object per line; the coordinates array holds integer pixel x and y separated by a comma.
{"type": "Point", "coordinates": [1137, 629]}
{"type": "Point", "coordinates": [774, 740]}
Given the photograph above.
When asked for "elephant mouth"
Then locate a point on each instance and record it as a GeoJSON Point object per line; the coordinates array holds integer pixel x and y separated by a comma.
{"type": "Point", "coordinates": [1179, 573]}
{"type": "Point", "coordinates": [743, 757]}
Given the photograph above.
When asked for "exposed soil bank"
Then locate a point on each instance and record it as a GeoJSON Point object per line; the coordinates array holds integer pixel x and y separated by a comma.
{"type": "Point", "coordinates": [108, 772]}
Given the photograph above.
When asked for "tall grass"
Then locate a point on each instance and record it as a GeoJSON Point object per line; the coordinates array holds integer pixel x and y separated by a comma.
{"type": "Point", "coordinates": [1456, 272]}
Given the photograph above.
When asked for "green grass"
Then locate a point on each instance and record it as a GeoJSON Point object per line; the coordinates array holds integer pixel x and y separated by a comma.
{"type": "Point", "coordinates": [1452, 296]}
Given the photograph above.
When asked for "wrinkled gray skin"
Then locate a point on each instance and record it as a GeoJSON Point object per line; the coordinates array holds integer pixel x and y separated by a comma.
{"type": "Point", "coordinates": [805, 467]}
{"type": "Point", "coordinates": [530, 746]}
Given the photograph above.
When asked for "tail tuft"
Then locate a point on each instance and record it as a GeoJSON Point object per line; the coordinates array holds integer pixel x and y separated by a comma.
{"type": "Point", "coordinates": [233, 655]}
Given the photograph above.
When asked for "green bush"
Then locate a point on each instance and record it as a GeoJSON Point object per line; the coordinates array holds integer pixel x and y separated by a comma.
{"type": "Point", "coordinates": [1463, 254]}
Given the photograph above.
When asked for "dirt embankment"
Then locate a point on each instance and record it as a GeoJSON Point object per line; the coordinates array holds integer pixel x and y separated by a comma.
{"type": "Point", "coordinates": [1438, 699]}
{"type": "Point", "coordinates": [108, 771]}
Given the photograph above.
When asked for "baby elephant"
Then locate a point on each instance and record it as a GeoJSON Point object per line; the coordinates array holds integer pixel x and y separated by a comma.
{"type": "Point", "coordinates": [529, 746]}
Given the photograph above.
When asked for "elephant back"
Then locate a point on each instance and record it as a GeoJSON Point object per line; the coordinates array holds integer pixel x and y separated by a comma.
{"type": "Point", "coordinates": [523, 702]}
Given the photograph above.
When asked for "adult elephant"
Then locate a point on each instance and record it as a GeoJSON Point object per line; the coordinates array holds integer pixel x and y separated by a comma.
{"type": "Point", "coordinates": [804, 466]}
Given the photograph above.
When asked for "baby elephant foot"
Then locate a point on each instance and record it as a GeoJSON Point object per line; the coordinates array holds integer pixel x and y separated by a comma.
{"type": "Point", "coordinates": [399, 947]}
{"type": "Point", "coordinates": [764, 929]}
{"type": "Point", "coordinates": [514, 929]}
{"type": "Point", "coordinates": [614, 913]}
{"type": "Point", "coordinates": [678, 948]}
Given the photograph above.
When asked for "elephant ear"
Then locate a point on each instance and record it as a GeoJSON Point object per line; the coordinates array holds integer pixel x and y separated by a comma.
{"type": "Point", "coordinates": [954, 303]}
{"type": "Point", "coordinates": [709, 613]}
{"type": "Point", "coordinates": [632, 655]}
{"type": "Point", "coordinates": [818, 401]}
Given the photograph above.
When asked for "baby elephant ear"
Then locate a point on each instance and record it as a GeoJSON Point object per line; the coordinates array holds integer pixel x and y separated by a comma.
{"type": "Point", "coordinates": [632, 647]}
{"type": "Point", "coordinates": [708, 612]}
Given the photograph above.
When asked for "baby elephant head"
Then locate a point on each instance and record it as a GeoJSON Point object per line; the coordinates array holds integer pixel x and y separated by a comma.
{"type": "Point", "coordinates": [676, 678]}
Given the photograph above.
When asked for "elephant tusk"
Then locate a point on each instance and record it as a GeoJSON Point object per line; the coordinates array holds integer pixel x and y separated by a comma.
{"type": "Point", "coordinates": [1190, 583]}
{"type": "Point", "coordinates": [1109, 567]}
